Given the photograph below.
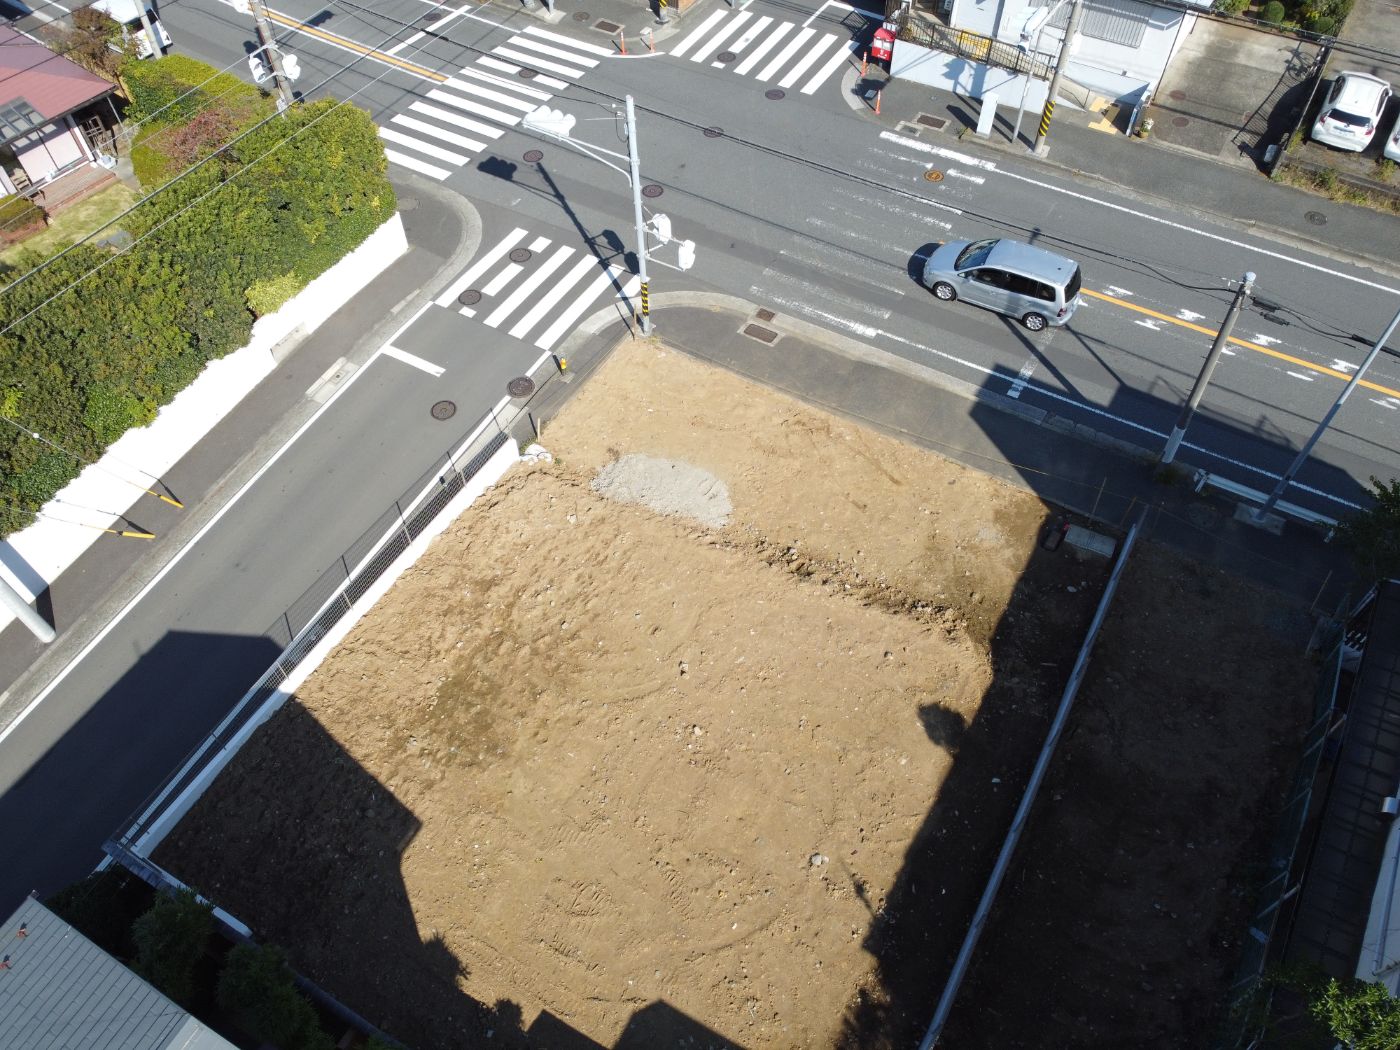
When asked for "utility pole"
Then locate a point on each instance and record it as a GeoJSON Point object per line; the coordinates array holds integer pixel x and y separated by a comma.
{"type": "Point", "coordinates": [38, 626]}
{"type": "Point", "coordinates": [274, 57]}
{"type": "Point", "coordinates": [1301, 458]}
{"type": "Point", "coordinates": [637, 210]}
{"type": "Point", "coordinates": [151, 38]}
{"type": "Point", "coordinates": [1198, 391]}
{"type": "Point", "coordinates": [1071, 30]}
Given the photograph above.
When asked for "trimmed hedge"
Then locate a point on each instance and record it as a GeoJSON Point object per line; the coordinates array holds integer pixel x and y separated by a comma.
{"type": "Point", "coordinates": [105, 347]}
{"type": "Point", "coordinates": [20, 218]}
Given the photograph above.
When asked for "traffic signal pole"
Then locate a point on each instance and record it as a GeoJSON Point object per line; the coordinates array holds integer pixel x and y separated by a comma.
{"type": "Point", "coordinates": [637, 210]}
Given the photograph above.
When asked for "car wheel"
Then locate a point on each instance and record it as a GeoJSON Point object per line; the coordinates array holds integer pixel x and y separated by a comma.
{"type": "Point", "coordinates": [945, 291]}
{"type": "Point", "coordinates": [1035, 322]}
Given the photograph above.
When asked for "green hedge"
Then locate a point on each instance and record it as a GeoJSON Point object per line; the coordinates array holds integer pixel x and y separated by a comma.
{"type": "Point", "coordinates": [19, 218]}
{"type": "Point", "coordinates": [112, 338]}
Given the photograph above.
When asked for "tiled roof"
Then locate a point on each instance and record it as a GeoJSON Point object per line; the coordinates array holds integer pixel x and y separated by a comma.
{"type": "Point", "coordinates": [49, 83]}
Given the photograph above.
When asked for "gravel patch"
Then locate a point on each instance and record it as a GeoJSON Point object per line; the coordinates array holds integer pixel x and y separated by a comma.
{"type": "Point", "coordinates": [666, 486]}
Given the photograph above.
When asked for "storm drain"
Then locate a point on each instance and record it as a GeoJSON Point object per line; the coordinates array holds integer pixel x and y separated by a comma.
{"type": "Point", "coordinates": [928, 120]}
{"type": "Point", "coordinates": [766, 336]}
{"type": "Point", "coordinates": [765, 315]}
{"type": "Point", "coordinates": [606, 27]}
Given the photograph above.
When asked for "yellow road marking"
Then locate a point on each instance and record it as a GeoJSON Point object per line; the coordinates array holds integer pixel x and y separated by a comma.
{"type": "Point", "coordinates": [1212, 332]}
{"type": "Point", "coordinates": [355, 46]}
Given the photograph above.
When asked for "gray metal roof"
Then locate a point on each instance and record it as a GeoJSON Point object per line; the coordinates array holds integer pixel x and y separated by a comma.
{"type": "Point", "coordinates": [59, 991]}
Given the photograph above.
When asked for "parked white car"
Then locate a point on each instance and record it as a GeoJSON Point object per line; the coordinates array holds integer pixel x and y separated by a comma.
{"type": "Point", "coordinates": [1351, 111]}
{"type": "Point", "coordinates": [1392, 144]}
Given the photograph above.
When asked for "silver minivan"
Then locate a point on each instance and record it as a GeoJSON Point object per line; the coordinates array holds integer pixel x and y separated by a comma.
{"type": "Point", "coordinates": [1012, 278]}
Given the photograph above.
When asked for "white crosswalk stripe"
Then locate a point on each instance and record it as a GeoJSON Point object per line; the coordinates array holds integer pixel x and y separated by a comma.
{"type": "Point", "coordinates": [461, 115]}
{"type": "Point", "coordinates": [766, 48]}
{"type": "Point", "coordinates": [543, 295]}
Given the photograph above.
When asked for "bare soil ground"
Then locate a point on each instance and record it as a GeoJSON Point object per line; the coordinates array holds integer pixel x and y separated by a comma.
{"type": "Point", "coordinates": [593, 775]}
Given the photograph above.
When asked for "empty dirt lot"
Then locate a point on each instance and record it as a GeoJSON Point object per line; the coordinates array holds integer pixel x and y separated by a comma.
{"type": "Point", "coordinates": [594, 775]}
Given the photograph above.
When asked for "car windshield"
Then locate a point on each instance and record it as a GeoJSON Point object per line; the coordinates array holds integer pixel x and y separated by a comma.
{"type": "Point", "coordinates": [975, 254]}
{"type": "Point", "coordinates": [1341, 116]}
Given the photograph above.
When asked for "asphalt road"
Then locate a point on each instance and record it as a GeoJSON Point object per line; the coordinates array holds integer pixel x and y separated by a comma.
{"type": "Point", "coordinates": [800, 204]}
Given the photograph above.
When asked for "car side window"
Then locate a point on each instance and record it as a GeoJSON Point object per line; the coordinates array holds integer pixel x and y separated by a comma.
{"type": "Point", "coordinates": [989, 275]}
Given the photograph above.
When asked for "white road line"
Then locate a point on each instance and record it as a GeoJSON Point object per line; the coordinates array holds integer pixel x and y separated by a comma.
{"type": "Point", "coordinates": [749, 34]}
{"type": "Point", "coordinates": [528, 286]}
{"type": "Point", "coordinates": [405, 43]}
{"type": "Point", "coordinates": [704, 27]}
{"type": "Point", "coordinates": [509, 119]}
{"type": "Point", "coordinates": [563, 54]}
{"type": "Point", "coordinates": [539, 244]}
{"type": "Point", "coordinates": [801, 286]}
{"type": "Point", "coordinates": [1171, 224]}
{"type": "Point", "coordinates": [578, 45]}
{"type": "Point", "coordinates": [780, 30]}
{"type": "Point", "coordinates": [815, 52]}
{"type": "Point", "coordinates": [422, 167]}
{"type": "Point", "coordinates": [1300, 375]}
{"type": "Point", "coordinates": [427, 148]}
{"type": "Point", "coordinates": [854, 262]}
{"type": "Point", "coordinates": [830, 66]}
{"type": "Point", "coordinates": [770, 70]}
{"type": "Point", "coordinates": [423, 127]}
{"type": "Point", "coordinates": [509, 67]}
{"type": "Point", "coordinates": [509, 85]}
{"type": "Point", "coordinates": [468, 88]}
{"type": "Point", "coordinates": [479, 267]}
{"type": "Point", "coordinates": [539, 63]}
{"type": "Point", "coordinates": [555, 293]}
{"type": "Point", "coordinates": [571, 314]}
{"type": "Point", "coordinates": [413, 359]}
{"type": "Point", "coordinates": [844, 7]}
{"type": "Point", "coordinates": [713, 44]}
{"type": "Point", "coordinates": [1022, 377]}
{"type": "Point", "coordinates": [1148, 323]}
{"type": "Point", "coordinates": [501, 279]}
{"type": "Point", "coordinates": [457, 120]}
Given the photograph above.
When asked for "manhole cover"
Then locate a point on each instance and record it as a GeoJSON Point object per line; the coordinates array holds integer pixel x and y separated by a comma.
{"type": "Point", "coordinates": [444, 410]}
{"type": "Point", "coordinates": [775, 94]}
{"type": "Point", "coordinates": [651, 189]}
{"type": "Point", "coordinates": [433, 16]}
{"type": "Point", "coordinates": [763, 335]}
{"type": "Point", "coordinates": [765, 315]}
{"type": "Point", "coordinates": [520, 254]}
{"type": "Point", "coordinates": [726, 56]}
{"type": "Point", "coordinates": [470, 297]}
{"type": "Point", "coordinates": [933, 175]}
{"type": "Point", "coordinates": [606, 27]}
{"type": "Point", "coordinates": [714, 133]}
{"type": "Point", "coordinates": [521, 386]}
{"type": "Point", "coordinates": [533, 156]}
{"type": "Point", "coordinates": [408, 204]}
{"type": "Point", "coordinates": [1181, 122]}
{"type": "Point", "coordinates": [526, 73]}
{"type": "Point", "coordinates": [1316, 218]}
{"type": "Point", "coordinates": [581, 16]}
{"type": "Point", "coordinates": [1178, 95]}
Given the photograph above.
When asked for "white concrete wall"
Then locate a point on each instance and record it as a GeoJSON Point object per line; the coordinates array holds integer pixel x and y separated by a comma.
{"type": "Point", "coordinates": [964, 77]}
{"type": "Point", "coordinates": [35, 557]}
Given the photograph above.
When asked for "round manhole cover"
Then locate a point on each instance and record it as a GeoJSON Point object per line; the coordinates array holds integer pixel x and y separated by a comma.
{"type": "Point", "coordinates": [714, 133]}
{"type": "Point", "coordinates": [432, 16]}
{"type": "Point", "coordinates": [581, 16]}
{"type": "Point", "coordinates": [1178, 94]}
{"type": "Point", "coordinates": [1181, 122]}
{"type": "Point", "coordinates": [933, 175]}
{"type": "Point", "coordinates": [775, 94]}
{"type": "Point", "coordinates": [651, 189]}
{"type": "Point", "coordinates": [526, 73]}
{"type": "Point", "coordinates": [521, 386]}
{"type": "Point", "coordinates": [470, 297]}
{"type": "Point", "coordinates": [1316, 218]}
{"type": "Point", "coordinates": [533, 156]}
{"type": "Point", "coordinates": [444, 410]}
{"type": "Point", "coordinates": [726, 56]}
{"type": "Point", "coordinates": [520, 254]}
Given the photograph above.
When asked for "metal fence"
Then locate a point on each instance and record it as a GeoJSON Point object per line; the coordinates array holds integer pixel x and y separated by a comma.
{"type": "Point", "coordinates": [974, 47]}
{"type": "Point", "coordinates": [312, 616]}
{"type": "Point", "coordinates": [1243, 1004]}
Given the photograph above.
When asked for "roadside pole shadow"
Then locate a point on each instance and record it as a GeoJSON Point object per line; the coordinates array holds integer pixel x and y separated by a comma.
{"type": "Point", "coordinates": [588, 238]}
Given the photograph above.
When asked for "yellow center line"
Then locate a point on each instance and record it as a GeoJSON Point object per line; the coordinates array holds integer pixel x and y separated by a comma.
{"type": "Point", "coordinates": [358, 48]}
{"type": "Point", "coordinates": [1212, 332]}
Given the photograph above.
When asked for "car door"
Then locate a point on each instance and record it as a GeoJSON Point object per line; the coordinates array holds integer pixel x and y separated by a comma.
{"type": "Point", "coordinates": [987, 286]}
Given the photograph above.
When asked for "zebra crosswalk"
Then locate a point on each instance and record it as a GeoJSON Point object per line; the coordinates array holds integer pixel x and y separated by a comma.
{"type": "Point", "coordinates": [767, 48]}
{"type": "Point", "coordinates": [463, 115]}
{"type": "Point", "coordinates": [538, 289]}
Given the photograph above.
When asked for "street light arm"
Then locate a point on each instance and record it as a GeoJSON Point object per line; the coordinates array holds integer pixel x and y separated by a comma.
{"type": "Point", "coordinates": [586, 148]}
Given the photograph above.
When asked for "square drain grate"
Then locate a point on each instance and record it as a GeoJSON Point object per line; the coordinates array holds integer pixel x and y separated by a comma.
{"type": "Point", "coordinates": [764, 335]}
{"type": "Point", "coordinates": [928, 121]}
{"type": "Point", "coordinates": [606, 27]}
{"type": "Point", "coordinates": [765, 315]}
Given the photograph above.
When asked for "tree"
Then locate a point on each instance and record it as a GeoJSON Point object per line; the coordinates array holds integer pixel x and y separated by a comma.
{"type": "Point", "coordinates": [257, 989]}
{"type": "Point", "coordinates": [171, 939]}
{"type": "Point", "coordinates": [1362, 1016]}
{"type": "Point", "coordinates": [1373, 535]}
{"type": "Point", "coordinates": [95, 42]}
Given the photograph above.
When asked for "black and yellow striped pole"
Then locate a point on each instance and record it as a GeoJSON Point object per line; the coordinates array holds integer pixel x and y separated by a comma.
{"type": "Point", "coordinates": [646, 310]}
{"type": "Point", "coordinates": [1066, 48]}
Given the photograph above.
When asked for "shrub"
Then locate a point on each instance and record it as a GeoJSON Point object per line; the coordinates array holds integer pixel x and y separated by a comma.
{"type": "Point", "coordinates": [174, 88]}
{"type": "Point", "coordinates": [257, 990]}
{"type": "Point", "coordinates": [20, 218]}
{"type": "Point", "coordinates": [171, 939]}
{"type": "Point", "coordinates": [1322, 25]}
{"type": "Point", "coordinates": [1230, 7]}
{"type": "Point", "coordinates": [269, 294]}
{"type": "Point", "coordinates": [102, 907]}
{"type": "Point", "coordinates": [1273, 12]}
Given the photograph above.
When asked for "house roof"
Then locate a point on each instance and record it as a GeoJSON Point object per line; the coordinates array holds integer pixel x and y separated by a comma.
{"type": "Point", "coordinates": [35, 82]}
{"type": "Point", "coordinates": [59, 990]}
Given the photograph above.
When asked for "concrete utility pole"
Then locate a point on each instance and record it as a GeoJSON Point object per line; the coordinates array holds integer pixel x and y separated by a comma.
{"type": "Point", "coordinates": [1198, 391]}
{"type": "Point", "coordinates": [637, 210]}
{"type": "Point", "coordinates": [274, 57]}
{"type": "Point", "coordinates": [151, 38]}
{"type": "Point", "coordinates": [38, 626]}
{"type": "Point", "coordinates": [1071, 31]}
{"type": "Point", "coordinates": [1296, 465]}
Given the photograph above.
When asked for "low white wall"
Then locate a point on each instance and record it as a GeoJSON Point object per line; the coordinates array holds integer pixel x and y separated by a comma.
{"type": "Point", "coordinates": [947, 72]}
{"type": "Point", "coordinates": [35, 557]}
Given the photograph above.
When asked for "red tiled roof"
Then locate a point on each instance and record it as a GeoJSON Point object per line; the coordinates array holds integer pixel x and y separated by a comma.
{"type": "Point", "coordinates": [50, 83]}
